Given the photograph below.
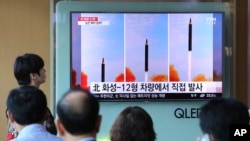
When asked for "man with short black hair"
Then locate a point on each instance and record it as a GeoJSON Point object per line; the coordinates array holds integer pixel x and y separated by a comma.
{"type": "Point", "coordinates": [26, 111]}
{"type": "Point", "coordinates": [78, 116]}
{"type": "Point", "coordinates": [217, 115]}
{"type": "Point", "coordinates": [29, 70]}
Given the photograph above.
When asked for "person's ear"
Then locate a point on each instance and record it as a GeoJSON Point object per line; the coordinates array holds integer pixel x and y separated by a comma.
{"type": "Point", "coordinates": [60, 128]}
{"type": "Point", "coordinates": [98, 123]}
{"type": "Point", "coordinates": [32, 76]}
{"type": "Point", "coordinates": [10, 116]}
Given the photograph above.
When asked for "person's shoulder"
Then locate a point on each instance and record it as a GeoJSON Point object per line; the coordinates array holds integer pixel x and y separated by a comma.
{"type": "Point", "coordinates": [54, 138]}
{"type": "Point", "coordinates": [49, 137]}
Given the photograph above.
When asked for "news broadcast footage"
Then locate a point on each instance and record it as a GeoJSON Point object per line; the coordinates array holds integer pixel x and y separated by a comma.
{"type": "Point", "coordinates": [147, 56]}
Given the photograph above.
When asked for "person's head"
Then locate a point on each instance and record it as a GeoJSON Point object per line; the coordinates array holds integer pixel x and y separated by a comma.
{"type": "Point", "coordinates": [217, 115]}
{"type": "Point", "coordinates": [29, 70]}
{"type": "Point", "coordinates": [133, 124]}
{"type": "Point", "coordinates": [26, 105]}
{"type": "Point", "coordinates": [78, 113]}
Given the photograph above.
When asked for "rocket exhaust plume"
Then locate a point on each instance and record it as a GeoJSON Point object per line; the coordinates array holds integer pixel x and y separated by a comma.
{"type": "Point", "coordinates": [103, 71]}
{"type": "Point", "coordinates": [146, 60]}
{"type": "Point", "coordinates": [189, 50]}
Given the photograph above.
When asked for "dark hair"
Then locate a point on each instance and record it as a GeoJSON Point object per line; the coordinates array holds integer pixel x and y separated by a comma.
{"type": "Point", "coordinates": [217, 115]}
{"type": "Point", "coordinates": [78, 116]}
{"type": "Point", "coordinates": [26, 64]}
{"type": "Point", "coordinates": [133, 124]}
{"type": "Point", "coordinates": [27, 104]}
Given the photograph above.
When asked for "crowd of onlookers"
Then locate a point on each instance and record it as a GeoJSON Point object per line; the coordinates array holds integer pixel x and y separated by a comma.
{"type": "Point", "coordinates": [30, 119]}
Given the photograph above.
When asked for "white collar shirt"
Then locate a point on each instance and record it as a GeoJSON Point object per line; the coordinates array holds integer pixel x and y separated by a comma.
{"type": "Point", "coordinates": [35, 132]}
{"type": "Point", "coordinates": [88, 139]}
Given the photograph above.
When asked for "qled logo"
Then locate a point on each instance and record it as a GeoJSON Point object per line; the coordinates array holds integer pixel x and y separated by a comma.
{"type": "Point", "coordinates": [239, 132]}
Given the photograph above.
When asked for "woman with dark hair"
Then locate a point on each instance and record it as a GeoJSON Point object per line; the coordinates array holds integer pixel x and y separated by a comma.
{"type": "Point", "coordinates": [133, 124]}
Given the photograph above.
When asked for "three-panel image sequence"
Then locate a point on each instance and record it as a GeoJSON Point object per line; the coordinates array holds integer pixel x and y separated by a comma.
{"type": "Point", "coordinates": [119, 56]}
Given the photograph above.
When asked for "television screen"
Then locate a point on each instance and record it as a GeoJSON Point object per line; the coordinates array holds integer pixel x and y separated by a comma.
{"type": "Point", "coordinates": [147, 56]}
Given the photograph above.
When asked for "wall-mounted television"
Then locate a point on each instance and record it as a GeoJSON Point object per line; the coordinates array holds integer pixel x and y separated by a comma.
{"type": "Point", "coordinates": [147, 51]}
